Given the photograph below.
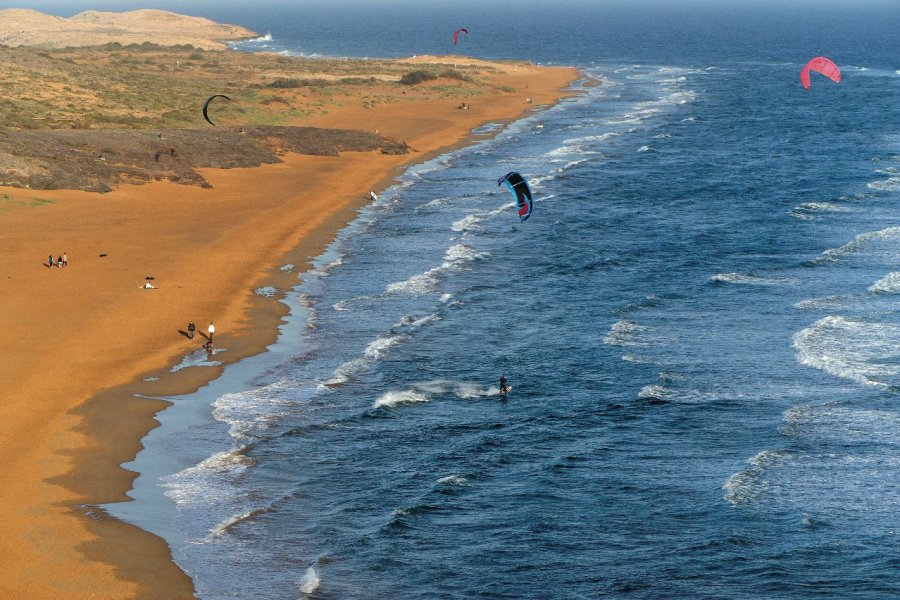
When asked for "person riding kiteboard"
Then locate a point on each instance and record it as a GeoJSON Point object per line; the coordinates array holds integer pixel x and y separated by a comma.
{"type": "Point", "coordinates": [503, 387]}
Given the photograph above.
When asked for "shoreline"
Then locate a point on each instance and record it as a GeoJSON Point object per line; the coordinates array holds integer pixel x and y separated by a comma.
{"type": "Point", "coordinates": [78, 456]}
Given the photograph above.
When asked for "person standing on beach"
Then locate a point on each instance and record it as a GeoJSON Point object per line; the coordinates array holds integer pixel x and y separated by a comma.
{"type": "Point", "coordinates": [211, 329]}
{"type": "Point", "coordinates": [191, 329]}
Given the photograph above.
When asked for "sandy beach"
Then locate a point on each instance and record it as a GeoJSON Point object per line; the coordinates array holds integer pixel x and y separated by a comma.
{"type": "Point", "coordinates": [79, 343]}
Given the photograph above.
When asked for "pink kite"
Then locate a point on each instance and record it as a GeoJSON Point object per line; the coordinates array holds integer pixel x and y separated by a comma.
{"type": "Point", "coordinates": [456, 34]}
{"type": "Point", "coordinates": [822, 65]}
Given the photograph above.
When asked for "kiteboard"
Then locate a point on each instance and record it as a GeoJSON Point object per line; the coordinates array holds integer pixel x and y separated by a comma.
{"type": "Point", "coordinates": [508, 390]}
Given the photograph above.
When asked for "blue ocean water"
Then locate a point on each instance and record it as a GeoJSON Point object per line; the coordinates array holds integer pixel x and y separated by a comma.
{"type": "Point", "coordinates": [699, 322]}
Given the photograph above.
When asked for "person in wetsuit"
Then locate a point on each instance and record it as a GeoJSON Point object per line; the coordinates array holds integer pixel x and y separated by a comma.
{"type": "Point", "coordinates": [503, 387]}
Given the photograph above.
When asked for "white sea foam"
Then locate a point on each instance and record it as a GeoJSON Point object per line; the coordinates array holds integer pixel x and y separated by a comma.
{"type": "Point", "coordinates": [335, 262]}
{"type": "Point", "coordinates": [415, 285]}
{"type": "Point", "coordinates": [468, 222]}
{"type": "Point", "coordinates": [414, 321]}
{"type": "Point", "coordinates": [231, 462]}
{"type": "Point", "coordinates": [889, 284]}
{"type": "Point", "coordinates": [592, 138]}
{"type": "Point", "coordinates": [226, 525]}
{"type": "Point", "coordinates": [378, 347]}
{"type": "Point", "coordinates": [461, 389]}
{"type": "Point", "coordinates": [459, 253]}
{"type": "Point", "coordinates": [435, 203]}
{"type": "Point", "coordinates": [566, 150]}
{"type": "Point", "coordinates": [654, 392]}
{"type": "Point", "coordinates": [749, 484]}
{"type": "Point", "coordinates": [624, 333]}
{"type": "Point", "coordinates": [197, 486]}
{"type": "Point", "coordinates": [633, 120]}
{"type": "Point", "coordinates": [807, 210]}
{"type": "Point", "coordinates": [426, 391]}
{"type": "Point", "coordinates": [250, 412]}
{"type": "Point", "coordinates": [741, 488]}
{"type": "Point", "coordinates": [392, 399]}
{"type": "Point", "coordinates": [535, 185]}
{"type": "Point", "coordinates": [676, 98]}
{"type": "Point", "coordinates": [453, 479]}
{"type": "Point", "coordinates": [373, 351]}
{"type": "Point", "coordinates": [645, 149]}
{"type": "Point", "coordinates": [891, 184]}
{"type": "Point", "coordinates": [638, 360]}
{"type": "Point", "coordinates": [671, 70]}
{"type": "Point", "coordinates": [744, 279]}
{"type": "Point", "coordinates": [344, 372]}
{"type": "Point", "coordinates": [309, 582]}
{"type": "Point", "coordinates": [454, 257]}
{"type": "Point", "coordinates": [860, 241]}
{"type": "Point", "coordinates": [563, 169]}
{"type": "Point", "coordinates": [733, 278]}
{"type": "Point", "coordinates": [852, 349]}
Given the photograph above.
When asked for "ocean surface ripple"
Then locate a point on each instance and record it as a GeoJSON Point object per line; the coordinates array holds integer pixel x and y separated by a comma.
{"type": "Point", "coordinates": [699, 323]}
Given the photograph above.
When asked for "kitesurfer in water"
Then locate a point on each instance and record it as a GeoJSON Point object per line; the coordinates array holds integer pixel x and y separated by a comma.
{"type": "Point", "coordinates": [503, 387]}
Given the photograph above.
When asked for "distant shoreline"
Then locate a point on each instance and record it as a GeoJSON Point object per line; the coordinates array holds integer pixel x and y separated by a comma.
{"type": "Point", "coordinates": [25, 27]}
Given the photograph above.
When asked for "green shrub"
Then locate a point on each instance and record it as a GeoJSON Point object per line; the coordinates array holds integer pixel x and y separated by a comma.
{"type": "Point", "coordinates": [454, 74]}
{"type": "Point", "coordinates": [414, 77]}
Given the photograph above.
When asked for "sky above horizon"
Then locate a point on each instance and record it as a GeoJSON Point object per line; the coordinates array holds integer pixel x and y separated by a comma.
{"type": "Point", "coordinates": [68, 6]}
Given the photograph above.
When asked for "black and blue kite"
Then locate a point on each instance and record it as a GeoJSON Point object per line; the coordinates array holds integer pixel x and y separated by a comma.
{"type": "Point", "coordinates": [520, 191]}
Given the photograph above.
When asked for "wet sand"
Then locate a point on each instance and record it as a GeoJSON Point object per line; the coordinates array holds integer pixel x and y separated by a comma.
{"type": "Point", "coordinates": [78, 342]}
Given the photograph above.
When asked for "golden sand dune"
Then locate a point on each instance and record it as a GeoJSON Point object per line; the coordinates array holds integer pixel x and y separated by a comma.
{"type": "Point", "coordinates": [23, 27]}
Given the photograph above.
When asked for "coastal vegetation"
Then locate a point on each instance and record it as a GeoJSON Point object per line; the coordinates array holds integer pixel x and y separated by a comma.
{"type": "Point", "coordinates": [91, 117]}
{"type": "Point", "coordinates": [147, 86]}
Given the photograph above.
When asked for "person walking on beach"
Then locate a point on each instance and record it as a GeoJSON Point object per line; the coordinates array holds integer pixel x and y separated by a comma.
{"type": "Point", "coordinates": [191, 329]}
{"type": "Point", "coordinates": [59, 262]}
{"type": "Point", "coordinates": [65, 259]}
{"type": "Point", "coordinates": [211, 329]}
{"type": "Point", "coordinates": [50, 261]}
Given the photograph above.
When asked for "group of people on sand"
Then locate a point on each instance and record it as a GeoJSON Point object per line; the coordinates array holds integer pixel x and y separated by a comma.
{"type": "Point", "coordinates": [210, 332]}
{"type": "Point", "coordinates": [61, 261]}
